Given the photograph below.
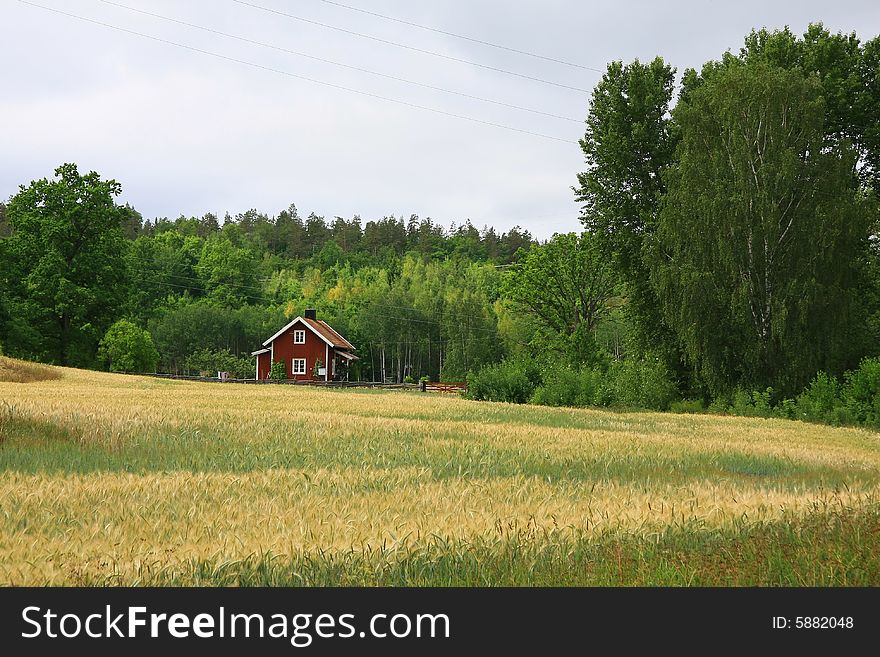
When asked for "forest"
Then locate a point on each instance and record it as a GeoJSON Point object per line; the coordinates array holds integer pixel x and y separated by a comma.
{"type": "Point", "coordinates": [729, 259]}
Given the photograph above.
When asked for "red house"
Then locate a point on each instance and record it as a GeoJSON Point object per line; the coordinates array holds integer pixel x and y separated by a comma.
{"type": "Point", "coordinates": [310, 350]}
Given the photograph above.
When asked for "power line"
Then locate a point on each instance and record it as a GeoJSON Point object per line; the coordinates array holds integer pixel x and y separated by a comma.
{"type": "Point", "coordinates": [295, 75]}
{"type": "Point", "coordinates": [462, 36]}
{"type": "Point", "coordinates": [335, 63]}
{"type": "Point", "coordinates": [412, 48]}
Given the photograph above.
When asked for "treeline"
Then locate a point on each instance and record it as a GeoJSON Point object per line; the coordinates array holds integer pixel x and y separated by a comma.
{"type": "Point", "coordinates": [740, 215]}
{"type": "Point", "coordinates": [416, 298]}
{"type": "Point", "coordinates": [289, 237]}
{"type": "Point", "coordinates": [730, 259]}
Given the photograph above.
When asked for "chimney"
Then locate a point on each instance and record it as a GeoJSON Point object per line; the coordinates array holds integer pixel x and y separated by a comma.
{"type": "Point", "coordinates": [311, 313]}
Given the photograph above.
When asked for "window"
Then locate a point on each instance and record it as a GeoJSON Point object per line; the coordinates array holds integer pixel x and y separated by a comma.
{"type": "Point", "coordinates": [299, 366]}
{"type": "Point", "coordinates": [299, 337]}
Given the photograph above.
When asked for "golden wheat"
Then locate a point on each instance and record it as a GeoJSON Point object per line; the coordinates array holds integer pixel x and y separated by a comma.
{"type": "Point", "coordinates": [224, 472]}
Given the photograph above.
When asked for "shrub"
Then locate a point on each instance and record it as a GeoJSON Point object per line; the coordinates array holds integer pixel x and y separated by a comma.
{"type": "Point", "coordinates": [720, 405]}
{"type": "Point", "coordinates": [408, 379]}
{"type": "Point", "coordinates": [861, 392]}
{"type": "Point", "coordinates": [127, 348]}
{"type": "Point", "coordinates": [564, 386]}
{"type": "Point", "coordinates": [638, 384]}
{"type": "Point", "coordinates": [819, 402]}
{"type": "Point", "coordinates": [507, 381]}
{"type": "Point", "coordinates": [630, 384]}
{"type": "Point", "coordinates": [278, 371]}
{"type": "Point", "coordinates": [752, 404]}
{"type": "Point", "coordinates": [688, 406]}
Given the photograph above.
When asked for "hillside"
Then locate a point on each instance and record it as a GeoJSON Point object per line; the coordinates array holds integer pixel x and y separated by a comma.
{"type": "Point", "coordinates": [110, 479]}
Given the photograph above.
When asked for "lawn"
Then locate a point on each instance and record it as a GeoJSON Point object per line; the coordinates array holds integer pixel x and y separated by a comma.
{"type": "Point", "coordinates": [119, 480]}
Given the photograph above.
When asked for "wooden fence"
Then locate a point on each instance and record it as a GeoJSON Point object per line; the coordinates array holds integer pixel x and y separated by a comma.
{"type": "Point", "coordinates": [424, 386]}
{"type": "Point", "coordinates": [428, 386]}
{"type": "Point", "coordinates": [287, 382]}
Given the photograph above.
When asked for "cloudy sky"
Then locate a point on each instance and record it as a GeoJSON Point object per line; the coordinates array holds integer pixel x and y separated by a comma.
{"type": "Point", "coordinates": [227, 124]}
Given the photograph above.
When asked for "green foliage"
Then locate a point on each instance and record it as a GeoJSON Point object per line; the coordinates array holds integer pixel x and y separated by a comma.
{"type": "Point", "coordinates": [228, 272]}
{"type": "Point", "coordinates": [861, 393]}
{"type": "Point", "coordinates": [565, 286]}
{"type": "Point", "coordinates": [278, 371]}
{"type": "Point", "coordinates": [848, 73]}
{"type": "Point", "coordinates": [507, 381]}
{"type": "Point", "coordinates": [183, 327]}
{"type": "Point", "coordinates": [687, 406]}
{"type": "Point", "coordinates": [819, 402]}
{"type": "Point", "coordinates": [754, 403]}
{"type": "Point", "coordinates": [207, 362]}
{"type": "Point", "coordinates": [856, 401]}
{"type": "Point", "coordinates": [625, 384]}
{"type": "Point", "coordinates": [127, 348]}
{"type": "Point", "coordinates": [64, 266]}
{"type": "Point", "coordinates": [638, 384]}
{"type": "Point", "coordinates": [628, 144]}
{"type": "Point", "coordinates": [567, 386]}
{"type": "Point", "coordinates": [759, 231]}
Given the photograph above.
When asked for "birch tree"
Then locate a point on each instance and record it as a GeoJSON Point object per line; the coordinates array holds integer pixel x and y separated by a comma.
{"type": "Point", "coordinates": [754, 255]}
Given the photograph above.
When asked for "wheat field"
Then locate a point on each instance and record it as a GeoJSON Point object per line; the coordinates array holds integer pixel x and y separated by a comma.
{"type": "Point", "coordinates": [108, 479]}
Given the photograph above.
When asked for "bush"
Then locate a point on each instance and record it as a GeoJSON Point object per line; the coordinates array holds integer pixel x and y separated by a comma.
{"type": "Point", "coordinates": [408, 379]}
{"type": "Point", "coordinates": [278, 371]}
{"type": "Point", "coordinates": [564, 386]}
{"type": "Point", "coordinates": [752, 404]}
{"type": "Point", "coordinates": [720, 405]}
{"type": "Point", "coordinates": [861, 393]}
{"type": "Point", "coordinates": [507, 381]}
{"type": "Point", "coordinates": [629, 384]}
{"type": "Point", "coordinates": [819, 402]}
{"type": "Point", "coordinates": [638, 384]}
{"type": "Point", "coordinates": [127, 348]}
{"type": "Point", "coordinates": [688, 406]}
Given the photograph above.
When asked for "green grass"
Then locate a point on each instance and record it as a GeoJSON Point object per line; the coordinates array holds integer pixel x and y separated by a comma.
{"type": "Point", "coordinates": [33, 446]}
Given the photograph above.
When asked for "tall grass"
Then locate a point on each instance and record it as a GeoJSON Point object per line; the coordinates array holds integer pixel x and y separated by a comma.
{"type": "Point", "coordinates": [20, 371]}
{"type": "Point", "coordinates": [107, 479]}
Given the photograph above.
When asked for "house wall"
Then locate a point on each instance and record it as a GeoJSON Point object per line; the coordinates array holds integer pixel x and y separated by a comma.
{"type": "Point", "coordinates": [263, 364]}
{"type": "Point", "coordinates": [285, 351]}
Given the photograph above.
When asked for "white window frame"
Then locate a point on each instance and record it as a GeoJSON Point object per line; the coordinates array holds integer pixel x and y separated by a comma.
{"type": "Point", "coordinates": [297, 334]}
{"type": "Point", "coordinates": [293, 366]}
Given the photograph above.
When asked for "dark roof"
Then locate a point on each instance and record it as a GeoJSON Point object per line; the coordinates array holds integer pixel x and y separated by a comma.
{"type": "Point", "coordinates": [326, 331]}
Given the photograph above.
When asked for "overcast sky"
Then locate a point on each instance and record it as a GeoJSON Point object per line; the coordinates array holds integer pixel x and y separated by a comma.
{"type": "Point", "coordinates": [188, 133]}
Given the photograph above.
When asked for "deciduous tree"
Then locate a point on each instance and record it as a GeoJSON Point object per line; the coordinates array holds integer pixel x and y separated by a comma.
{"type": "Point", "coordinates": [65, 256]}
{"type": "Point", "coordinates": [753, 258]}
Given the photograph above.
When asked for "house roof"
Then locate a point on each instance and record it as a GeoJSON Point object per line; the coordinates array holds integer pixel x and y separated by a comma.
{"type": "Point", "coordinates": [329, 334]}
{"type": "Point", "coordinates": [321, 329]}
{"type": "Point", "coordinates": [259, 351]}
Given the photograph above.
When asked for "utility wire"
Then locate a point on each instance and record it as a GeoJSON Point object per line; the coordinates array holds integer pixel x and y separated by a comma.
{"type": "Point", "coordinates": [295, 75]}
{"type": "Point", "coordinates": [412, 48]}
{"type": "Point", "coordinates": [335, 63]}
{"type": "Point", "coordinates": [461, 36]}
